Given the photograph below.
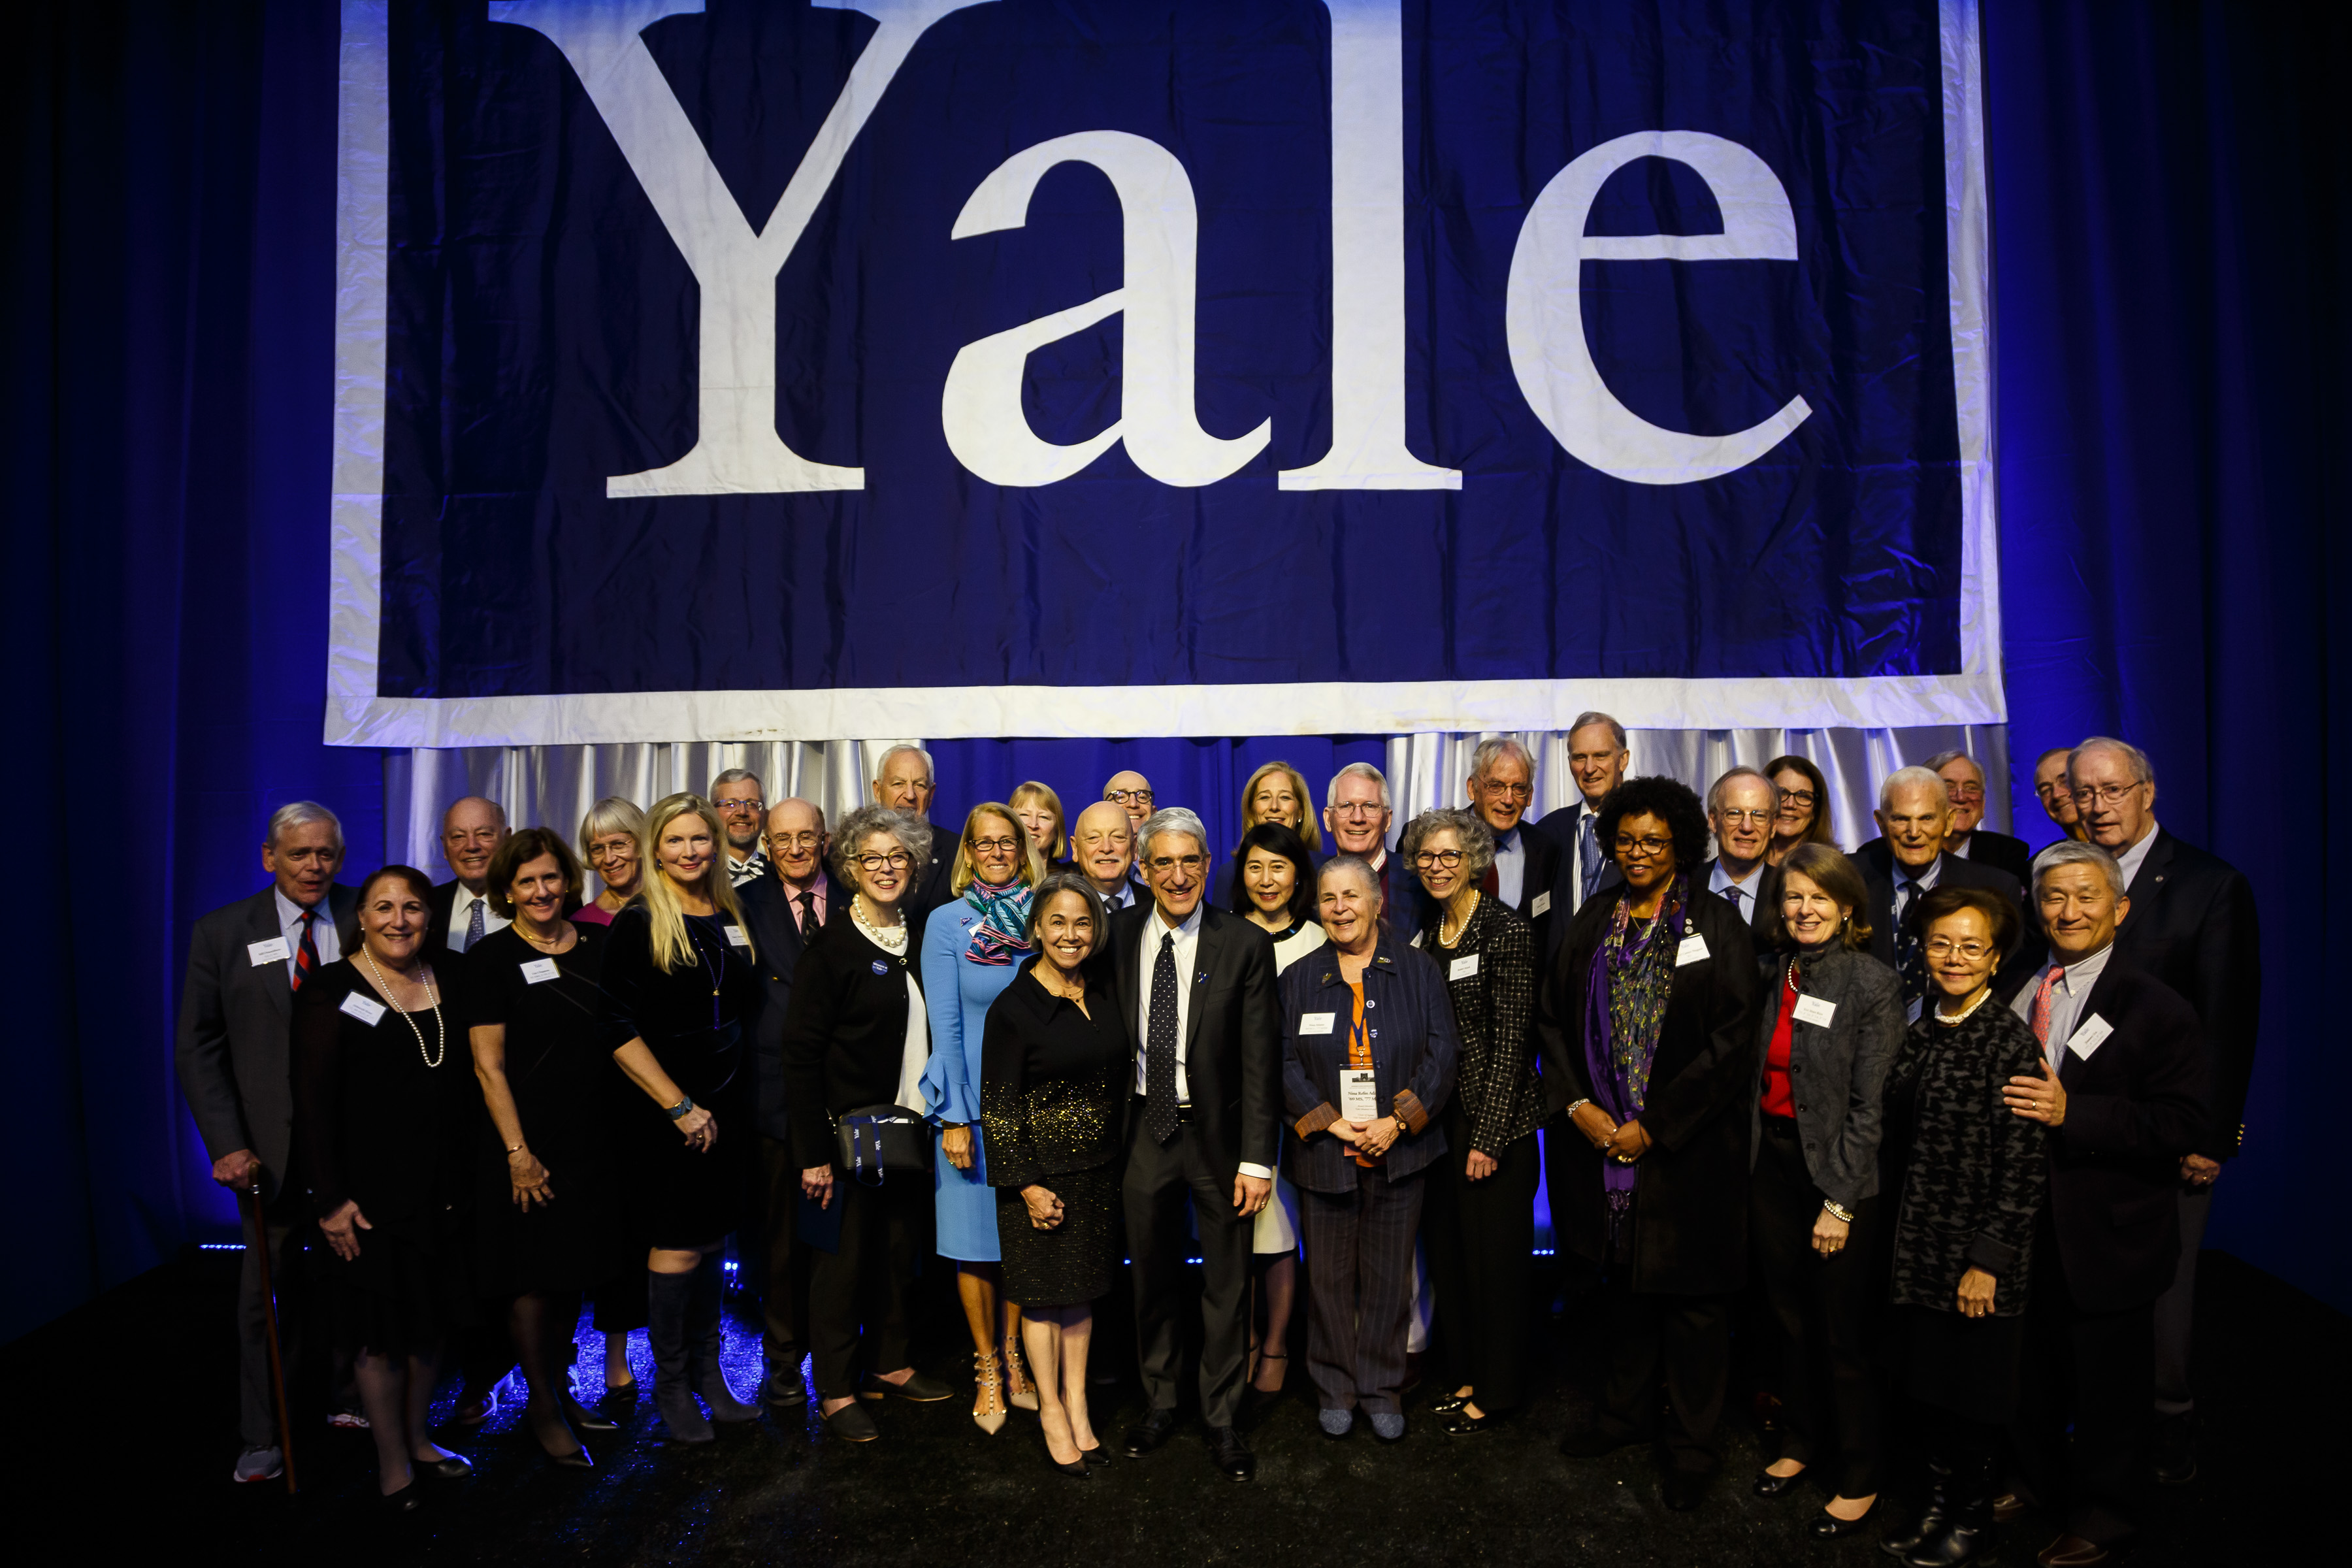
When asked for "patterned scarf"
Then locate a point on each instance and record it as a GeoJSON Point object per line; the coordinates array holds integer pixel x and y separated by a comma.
{"type": "Point", "coordinates": [1625, 1007]}
{"type": "Point", "coordinates": [1002, 935]}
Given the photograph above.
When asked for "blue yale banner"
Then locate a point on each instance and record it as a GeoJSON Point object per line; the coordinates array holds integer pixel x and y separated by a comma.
{"type": "Point", "coordinates": [751, 369]}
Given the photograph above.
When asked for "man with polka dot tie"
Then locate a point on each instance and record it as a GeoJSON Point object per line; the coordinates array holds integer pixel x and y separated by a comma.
{"type": "Point", "coordinates": [1740, 810]}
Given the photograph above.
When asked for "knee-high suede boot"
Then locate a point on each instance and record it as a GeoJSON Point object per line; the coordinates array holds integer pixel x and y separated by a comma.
{"type": "Point", "coordinates": [703, 1374]}
{"type": "Point", "coordinates": [669, 1309]}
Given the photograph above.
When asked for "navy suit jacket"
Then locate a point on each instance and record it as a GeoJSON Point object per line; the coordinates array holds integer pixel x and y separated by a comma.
{"type": "Point", "coordinates": [2192, 926]}
{"type": "Point", "coordinates": [1561, 828]}
{"type": "Point", "coordinates": [2017, 965]}
{"type": "Point", "coordinates": [773, 921]}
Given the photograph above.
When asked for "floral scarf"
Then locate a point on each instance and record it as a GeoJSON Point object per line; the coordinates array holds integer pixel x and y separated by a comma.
{"type": "Point", "coordinates": [1632, 980]}
{"type": "Point", "coordinates": [1002, 936]}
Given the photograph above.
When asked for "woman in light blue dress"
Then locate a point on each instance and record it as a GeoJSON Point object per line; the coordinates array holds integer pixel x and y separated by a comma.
{"type": "Point", "coordinates": [973, 948]}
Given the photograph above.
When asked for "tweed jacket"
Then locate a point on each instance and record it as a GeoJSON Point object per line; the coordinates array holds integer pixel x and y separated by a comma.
{"type": "Point", "coordinates": [1837, 1071]}
{"type": "Point", "coordinates": [1495, 1080]}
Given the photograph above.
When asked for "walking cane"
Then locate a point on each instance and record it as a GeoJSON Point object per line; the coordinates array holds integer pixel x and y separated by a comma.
{"type": "Point", "coordinates": [260, 1245]}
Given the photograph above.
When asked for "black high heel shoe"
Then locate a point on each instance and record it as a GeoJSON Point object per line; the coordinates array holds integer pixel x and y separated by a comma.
{"type": "Point", "coordinates": [1770, 1485]}
{"type": "Point", "coordinates": [1075, 1469]}
{"type": "Point", "coordinates": [583, 1419]}
{"type": "Point", "coordinates": [408, 1500]}
{"type": "Point", "coordinates": [1098, 1455]}
{"type": "Point", "coordinates": [1827, 1526]}
{"type": "Point", "coordinates": [448, 1467]}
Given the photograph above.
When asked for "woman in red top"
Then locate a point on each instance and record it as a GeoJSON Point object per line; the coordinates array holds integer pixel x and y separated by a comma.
{"type": "Point", "coordinates": [1831, 1021]}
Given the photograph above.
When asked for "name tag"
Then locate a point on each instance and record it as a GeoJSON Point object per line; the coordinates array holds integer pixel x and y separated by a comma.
{"type": "Point", "coordinates": [1693, 950]}
{"type": "Point", "coordinates": [366, 1009]}
{"type": "Point", "coordinates": [1813, 1010]}
{"type": "Point", "coordinates": [1463, 968]}
{"type": "Point", "coordinates": [2089, 1035]}
{"type": "Point", "coordinates": [1315, 1023]}
{"type": "Point", "coordinates": [1360, 1095]}
{"type": "Point", "coordinates": [539, 971]}
{"type": "Point", "coordinates": [273, 950]}
{"type": "Point", "coordinates": [1540, 908]}
{"type": "Point", "coordinates": [735, 937]}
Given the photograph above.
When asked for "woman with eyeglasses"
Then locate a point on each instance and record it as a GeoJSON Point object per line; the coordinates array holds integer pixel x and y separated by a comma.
{"type": "Point", "coordinates": [1803, 815]}
{"type": "Point", "coordinates": [1971, 1179]}
{"type": "Point", "coordinates": [857, 1034]}
{"type": "Point", "coordinates": [971, 950]}
{"type": "Point", "coordinates": [1478, 1220]}
{"type": "Point", "coordinates": [609, 836]}
{"type": "Point", "coordinates": [1647, 1023]}
{"type": "Point", "coordinates": [1831, 1021]}
{"type": "Point", "coordinates": [1276, 794]}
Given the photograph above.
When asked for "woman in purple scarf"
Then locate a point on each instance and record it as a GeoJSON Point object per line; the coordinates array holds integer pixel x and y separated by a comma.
{"type": "Point", "coordinates": [1646, 1025]}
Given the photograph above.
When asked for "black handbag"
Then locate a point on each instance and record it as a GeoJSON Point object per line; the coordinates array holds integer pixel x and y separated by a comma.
{"type": "Point", "coordinates": [881, 1139]}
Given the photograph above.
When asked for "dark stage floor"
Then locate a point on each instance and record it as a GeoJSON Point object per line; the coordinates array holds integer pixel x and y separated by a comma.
{"type": "Point", "coordinates": [124, 1434]}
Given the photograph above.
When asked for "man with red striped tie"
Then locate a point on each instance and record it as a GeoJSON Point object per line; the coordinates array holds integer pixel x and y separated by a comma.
{"type": "Point", "coordinates": [246, 961]}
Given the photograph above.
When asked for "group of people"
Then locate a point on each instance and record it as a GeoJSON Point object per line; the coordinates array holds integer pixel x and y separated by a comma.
{"type": "Point", "coordinates": [1955, 1111]}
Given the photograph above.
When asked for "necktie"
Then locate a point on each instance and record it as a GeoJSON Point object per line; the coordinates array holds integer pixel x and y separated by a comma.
{"type": "Point", "coordinates": [2041, 1002]}
{"type": "Point", "coordinates": [1159, 1047]}
{"type": "Point", "coordinates": [1588, 855]}
{"type": "Point", "coordinates": [306, 957]}
{"type": "Point", "coordinates": [1732, 892]}
{"type": "Point", "coordinates": [474, 925]}
{"type": "Point", "coordinates": [1910, 959]}
{"type": "Point", "coordinates": [808, 914]}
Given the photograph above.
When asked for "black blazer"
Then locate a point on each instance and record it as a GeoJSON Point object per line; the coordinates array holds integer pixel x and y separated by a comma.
{"type": "Point", "coordinates": [2192, 926]}
{"type": "Point", "coordinates": [1233, 1048]}
{"type": "Point", "coordinates": [1768, 895]}
{"type": "Point", "coordinates": [2132, 1111]}
{"type": "Point", "coordinates": [1986, 847]}
{"type": "Point", "coordinates": [1561, 828]}
{"type": "Point", "coordinates": [1690, 1226]}
{"type": "Point", "coordinates": [933, 890]}
{"type": "Point", "coordinates": [773, 921]}
{"type": "Point", "coordinates": [439, 905]}
{"type": "Point", "coordinates": [845, 1031]}
{"type": "Point", "coordinates": [2017, 965]}
{"type": "Point", "coordinates": [236, 1023]}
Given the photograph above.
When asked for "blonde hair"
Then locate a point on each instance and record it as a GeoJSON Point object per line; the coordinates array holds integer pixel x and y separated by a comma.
{"type": "Point", "coordinates": [1032, 866]}
{"type": "Point", "coordinates": [1308, 832]}
{"type": "Point", "coordinates": [1034, 790]}
{"type": "Point", "coordinates": [672, 948]}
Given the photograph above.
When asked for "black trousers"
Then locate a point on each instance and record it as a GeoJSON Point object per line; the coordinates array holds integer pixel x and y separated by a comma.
{"type": "Point", "coordinates": [1160, 1180]}
{"type": "Point", "coordinates": [1828, 1313]}
{"type": "Point", "coordinates": [1685, 1338]}
{"type": "Point", "coordinates": [1479, 1239]}
{"type": "Point", "coordinates": [1358, 1247]}
{"type": "Point", "coordinates": [857, 1294]}
{"type": "Point", "coordinates": [782, 1265]}
{"type": "Point", "coordinates": [2095, 1371]}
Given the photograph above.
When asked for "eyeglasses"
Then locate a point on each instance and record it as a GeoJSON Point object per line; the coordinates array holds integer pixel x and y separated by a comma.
{"type": "Point", "coordinates": [1645, 847]}
{"type": "Point", "coordinates": [802, 840]}
{"type": "Point", "coordinates": [1169, 862]}
{"type": "Point", "coordinates": [1759, 817]}
{"type": "Point", "coordinates": [750, 802]}
{"type": "Point", "coordinates": [1944, 947]}
{"type": "Point", "coordinates": [611, 852]}
{"type": "Point", "coordinates": [2104, 794]}
{"type": "Point", "coordinates": [1508, 791]}
{"type": "Point", "coordinates": [1449, 858]}
{"type": "Point", "coordinates": [1356, 808]}
{"type": "Point", "coordinates": [994, 845]}
{"type": "Point", "coordinates": [1803, 797]}
{"type": "Point", "coordinates": [896, 860]}
{"type": "Point", "coordinates": [1128, 796]}
{"type": "Point", "coordinates": [1965, 791]}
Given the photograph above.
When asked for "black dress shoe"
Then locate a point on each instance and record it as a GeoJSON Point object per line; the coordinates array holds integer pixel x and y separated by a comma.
{"type": "Point", "coordinates": [851, 1424]}
{"type": "Point", "coordinates": [1770, 1485]}
{"type": "Point", "coordinates": [451, 1467]}
{"type": "Point", "coordinates": [1449, 1404]}
{"type": "Point", "coordinates": [583, 1419]}
{"type": "Point", "coordinates": [1231, 1454]}
{"type": "Point", "coordinates": [2173, 1451]}
{"type": "Point", "coordinates": [1098, 1455]}
{"type": "Point", "coordinates": [406, 1501]}
{"type": "Point", "coordinates": [1684, 1490]}
{"type": "Point", "coordinates": [1156, 1428]}
{"type": "Point", "coordinates": [1460, 1423]}
{"type": "Point", "coordinates": [917, 1388]}
{"type": "Point", "coordinates": [1827, 1526]}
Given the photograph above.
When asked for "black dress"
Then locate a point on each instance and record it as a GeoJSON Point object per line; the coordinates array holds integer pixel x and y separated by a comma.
{"type": "Point", "coordinates": [1055, 1084]}
{"type": "Point", "coordinates": [387, 1124]}
{"type": "Point", "coordinates": [559, 1069]}
{"type": "Point", "coordinates": [692, 1019]}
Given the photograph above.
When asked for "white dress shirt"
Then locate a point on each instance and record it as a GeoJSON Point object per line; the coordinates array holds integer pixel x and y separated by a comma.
{"type": "Point", "coordinates": [1926, 880]}
{"type": "Point", "coordinates": [1188, 947]}
{"type": "Point", "coordinates": [322, 931]}
{"type": "Point", "coordinates": [1510, 866]}
{"type": "Point", "coordinates": [2130, 861]}
{"type": "Point", "coordinates": [2068, 994]}
{"type": "Point", "coordinates": [461, 917]}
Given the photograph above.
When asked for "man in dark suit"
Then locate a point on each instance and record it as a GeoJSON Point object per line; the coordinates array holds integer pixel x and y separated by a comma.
{"type": "Point", "coordinates": [1527, 863]}
{"type": "Point", "coordinates": [1596, 759]}
{"type": "Point", "coordinates": [1357, 813]}
{"type": "Point", "coordinates": [1102, 843]}
{"type": "Point", "coordinates": [471, 831]}
{"type": "Point", "coordinates": [246, 961]}
{"type": "Point", "coordinates": [1914, 814]}
{"type": "Point", "coordinates": [1968, 838]}
{"type": "Point", "coordinates": [903, 782]}
{"type": "Point", "coordinates": [1740, 806]}
{"type": "Point", "coordinates": [2193, 927]}
{"type": "Point", "coordinates": [784, 907]}
{"type": "Point", "coordinates": [1195, 985]}
{"type": "Point", "coordinates": [2121, 1091]}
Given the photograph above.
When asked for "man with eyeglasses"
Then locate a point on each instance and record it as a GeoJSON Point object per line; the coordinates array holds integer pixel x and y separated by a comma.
{"type": "Point", "coordinates": [2056, 796]}
{"type": "Point", "coordinates": [1102, 842]}
{"type": "Point", "coordinates": [1195, 985]}
{"type": "Point", "coordinates": [740, 800]}
{"type": "Point", "coordinates": [1596, 759]}
{"type": "Point", "coordinates": [785, 907]}
{"type": "Point", "coordinates": [1131, 792]}
{"type": "Point", "coordinates": [1356, 817]}
{"type": "Point", "coordinates": [1969, 838]}
{"type": "Point", "coordinates": [1741, 807]}
{"type": "Point", "coordinates": [2192, 926]}
{"type": "Point", "coordinates": [1914, 814]}
{"type": "Point", "coordinates": [1501, 787]}
{"type": "Point", "coordinates": [2121, 1091]}
{"type": "Point", "coordinates": [903, 781]}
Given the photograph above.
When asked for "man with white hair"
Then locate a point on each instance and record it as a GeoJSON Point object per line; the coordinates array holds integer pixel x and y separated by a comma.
{"type": "Point", "coordinates": [245, 962]}
{"type": "Point", "coordinates": [459, 910]}
{"type": "Point", "coordinates": [1741, 807]}
{"type": "Point", "coordinates": [1598, 756]}
{"type": "Point", "coordinates": [1968, 838]}
{"type": "Point", "coordinates": [1357, 814]}
{"type": "Point", "coordinates": [1501, 787]}
{"type": "Point", "coordinates": [1915, 813]}
{"type": "Point", "coordinates": [2192, 926]}
{"type": "Point", "coordinates": [903, 781]}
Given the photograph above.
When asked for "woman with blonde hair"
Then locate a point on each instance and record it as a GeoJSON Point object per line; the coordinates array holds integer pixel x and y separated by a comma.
{"type": "Point", "coordinates": [609, 835]}
{"type": "Point", "coordinates": [971, 950]}
{"type": "Point", "coordinates": [681, 976]}
{"type": "Point", "coordinates": [1275, 793]}
{"type": "Point", "coordinates": [1039, 811]}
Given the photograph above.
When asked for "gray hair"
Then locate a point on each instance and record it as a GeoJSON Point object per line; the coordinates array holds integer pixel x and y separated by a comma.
{"type": "Point", "coordinates": [2142, 772]}
{"type": "Point", "coordinates": [1477, 839]}
{"type": "Point", "coordinates": [1913, 777]}
{"type": "Point", "coordinates": [1069, 882]}
{"type": "Point", "coordinates": [2067, 852]}
{"type": "Point", "coordinates": [1943, 760]}
{"type": "Point", "coordinates": [1742, 771]}
{"type": "Point", "coordinates": [1169, 819]}
{"type": "Point", "coordinates": [1614, 728]}
{"type": "Point", "coordinates": [1493, 750]}
{"type": "Point", "coordinates": [1355, 865]}
{"type": "Point", "coordinates": [302, 813]}
{"type": "Point", "coordinates": [1360, 771]}
{"type": "Point", "coordinates": [882, 763]}
{"type": "Point", "coordinates": [614, 813]}
{"type": "Point", "coordinates": [913, 834]}
{"type": "Point", "coordinates": [739, 775]}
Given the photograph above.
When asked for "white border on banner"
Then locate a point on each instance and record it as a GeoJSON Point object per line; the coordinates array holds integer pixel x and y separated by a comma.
{"type": "Point", "coordinates": [357, 716]}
